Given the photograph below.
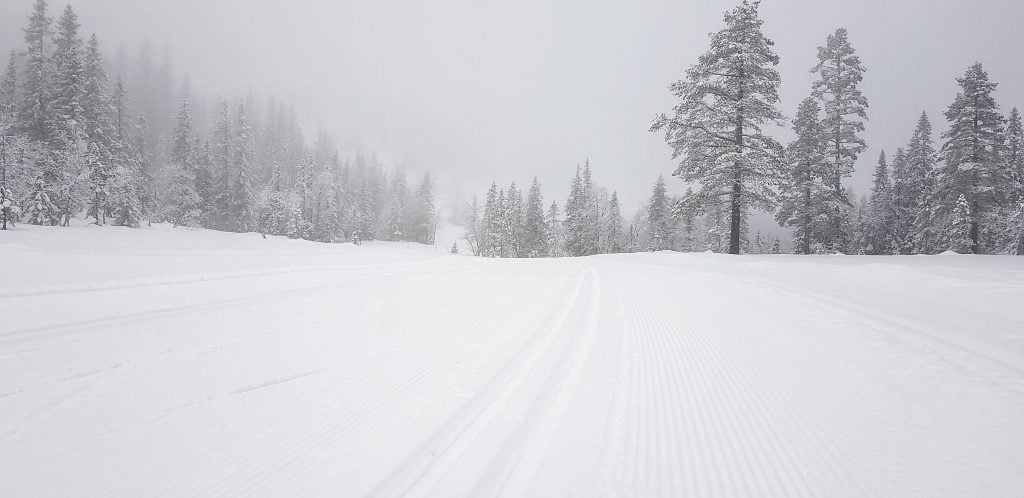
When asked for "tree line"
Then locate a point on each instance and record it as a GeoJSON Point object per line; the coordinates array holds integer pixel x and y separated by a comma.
{"type": "Point", "coordinates": [78, 143]}
{"type": "Point", "coordinates": [965, 195]}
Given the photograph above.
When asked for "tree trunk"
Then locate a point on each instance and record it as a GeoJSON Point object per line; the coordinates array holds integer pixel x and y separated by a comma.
{"type": "Point", "coordinates": [735, 225]}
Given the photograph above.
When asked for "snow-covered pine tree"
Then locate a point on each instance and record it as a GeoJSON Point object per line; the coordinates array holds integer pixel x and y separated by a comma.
{"type": "Point", "coordinates": [1014, 157]}
{"type": "Point", "coordinates": [222, 172]}
{"type": "Point", "coordinates": [493, 224]}
{"type": "Point", "coordinates": [717, 128]}
{"type": "Point", "coordinates": [513, 223]}
{"type": "Point", "coordinates": [971, 163]}
{"type": "Point", "coordinates": [424, 216]}
{"type": "Point", "coordinates": [659, 218]}
{"type": "Point", "coordinates": [96, 111]}
{"type": "Point", "coordinates": [807, 186]}
{"type": "Point", "coordinates": [591, 215]}
{"type": "Point", "coordinates": [535, 230]}
{"type": "Point", "coordinates": [67, 118]}
{"type": "Point", "coordinates": [615, 229]}
{"type": "Point", "coordinates": [39, 208]}
{"type": "Point", "coordinates": [904, 207]}
{"type": "Point", "coordinates": [921, 186]}
{"type": "Point", "coordinates": [575, 217]}
{"type": "Point", "coordinates": [840, 72]}
{"type": "Point", "coordinates": [776, 246]}
{"type": "Point", "coordinates": [556, 231]}
{"type": "Point", "coordinates": [34, 111]}
{"type": "Point", "coordinates": [182, 204]}
{"type": "Point", "coordinates": [9, 92]}
{"type": "Point", "coordinates": [878, 228]}
{"type": "Point", "coordinates": [242, 186]}
{"type": "Point", "coordinates": [958, 232]}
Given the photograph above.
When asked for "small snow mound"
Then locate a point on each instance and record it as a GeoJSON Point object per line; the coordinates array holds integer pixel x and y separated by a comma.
{"type": "Point", "coordinates": [949, 252]}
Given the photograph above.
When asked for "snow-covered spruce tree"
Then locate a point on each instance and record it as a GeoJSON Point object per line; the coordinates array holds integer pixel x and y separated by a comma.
{"type": "Point", "coordinates": [920, 188]}
{"type": "Point", "coordinates": [958, 232]}
{"type": "Point", "coordinates": [807, 186]}
{"type": "Point", "coordinates": [99, 133]}
{"type": "Point", "coordinates": [513, 216]}
{"type": "Point", "coordinates": [904, 205]}
{"type": "Point", "coordinates": [34, 111]}
{"type": "Point", "coordinates": [39, 207]}
{"type": "Point", "coordinates": [493, 224]}
{"type": "Point", "coordinates": [182, 204]}
{"type": "Point", "coordinates": [242, 185]}
{"type": "Point", "coordinates": [971, 164]}
{"type": "Point", "coordinates": [659, 218]}
{"type": "Point", "coordinates": [424, 216]}
{"type": "Point", "coordinates": [615, 230]}
{"type": "Point", "coordinates": [575, 217]}
{"type": "Point", "coordinates": [68, 121]}
{"type": "Point", "coordinates": [222, 172]}
{"type": "Point", "coordinates": [591, 216]}
{"type": "Point", "coordinates": [1013, 216]}
{"type": "Point", "coordinates": [717, 127]}
{"type": "Point", "coordinates": [556, 231]}
{"type": "Point", "coordinates": [840, 72]}
{"type": "Point", "coordinates": [878, 227]}
{"type": "Point", "coordinates": [535, 230]}
{"type": "Point", "coordinates": [9, 92]}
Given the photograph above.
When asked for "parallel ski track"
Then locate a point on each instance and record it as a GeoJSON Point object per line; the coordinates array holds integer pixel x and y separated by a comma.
{"type": "Point", "coordinates": [63, 328]}
{"type": "Point", "coordinates": [420, 473]}
{"type": "Point", "coordinates": [202, 277]}
{"type": "Point", "coordinates": [397, 391]}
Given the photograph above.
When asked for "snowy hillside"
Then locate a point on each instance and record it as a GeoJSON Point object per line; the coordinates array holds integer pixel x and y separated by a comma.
{"type": "Point", "coordinates": [165, 361]}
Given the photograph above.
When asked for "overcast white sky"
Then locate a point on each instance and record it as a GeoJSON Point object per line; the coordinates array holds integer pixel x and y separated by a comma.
{"type": "Point", "coordinates": [507, 90]}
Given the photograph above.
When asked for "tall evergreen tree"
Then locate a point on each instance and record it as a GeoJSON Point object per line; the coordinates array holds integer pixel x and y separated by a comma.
{"type": "Point", "coordinates": [616, 234]}
{"type": "Point", "coordinates": [424, 217]}
{"type": "Point", "coordinates": [717, 127]}
{"type": "Point", "coordinates": [878, 229]}
{"type": "Point", "coordinates": [535, 230]}
{"type": "Point", "coordinates": [69, 85]}
{"type": "Point", "coordinates": [492, 224]}
{"type": "Point", "coordinates": [513, 216]}
{"type": "Point", "coordinates": [243, 192]}
{"type": "Point", "coordinates": [35, 114]}
{"type": "Point", "coordinates": [556, 230]}
{"type": "Point", "coordinates": [576, 217]}
{"type": "Point", "coordinates": [921, 196]}
{"type": "Point", "coordinates": [9, 90]}
{"type": "Point", "coordinates": [659, 218]}
{"type": "Point", "coordinates": [904, 205]}
{"type": "Point", "coordinates": [183, 206]}
{"type": "Point", "coordinates": [840, 72]}
{"type": "Point", "coordinates": [971, 162]}
{"type": "Point", "coordinates": [808, 184]}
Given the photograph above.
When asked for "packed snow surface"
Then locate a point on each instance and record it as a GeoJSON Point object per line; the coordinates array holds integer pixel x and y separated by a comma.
{"type": "Point", "coordinates": [165, 361]}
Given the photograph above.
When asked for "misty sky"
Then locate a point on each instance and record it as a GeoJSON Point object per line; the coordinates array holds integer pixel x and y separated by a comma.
{"type": "Point", "coordinates": [504, 91]}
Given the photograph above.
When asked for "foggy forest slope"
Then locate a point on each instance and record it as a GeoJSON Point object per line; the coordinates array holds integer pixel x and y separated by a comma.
{"type": "Point", "coordinates": [162, 361]}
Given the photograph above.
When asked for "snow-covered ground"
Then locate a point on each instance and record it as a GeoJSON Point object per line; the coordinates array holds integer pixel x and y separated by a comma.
{"type": "Point", "coordinates": [189, 363]}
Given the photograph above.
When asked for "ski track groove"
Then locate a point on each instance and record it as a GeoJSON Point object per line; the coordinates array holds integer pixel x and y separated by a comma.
{"type": "Point", "coordinates": [428, 465]}
{"type": "Point", "coordinates": [401, 384]}
{"type": "Point", "coordinates": [64, 328]}
{"type": "Point", "coordinates": [527, 449]}
{"type": "Point", "coordinates": [195, 278]}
